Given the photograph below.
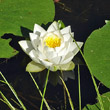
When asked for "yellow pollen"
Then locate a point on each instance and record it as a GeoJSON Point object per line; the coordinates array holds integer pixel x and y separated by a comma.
{"type": "Point", "coordinates": [53, 41]}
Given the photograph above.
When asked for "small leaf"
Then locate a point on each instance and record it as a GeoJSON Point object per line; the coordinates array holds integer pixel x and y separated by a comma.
{"type": "Point", "coordinates": [105, 100]}
{"type": "Point", "coordinates": [6, 51]}
{"type": "Point", "coordinates": [34, 67]}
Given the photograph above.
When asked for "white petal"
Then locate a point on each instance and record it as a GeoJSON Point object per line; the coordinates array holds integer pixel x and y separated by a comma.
{"type": "Point", "coordinates": [41, 55]}
{"type": "Point", "coordinates": [40, 46]}
{"type": "Point", "coordinates": [67, 58]}
{"type": "Point", "coordinates": [53, 27]}
{"type": "Point", "coordinates": [71, 52]}
{"type": "Point", "coordinates": [58, 49]}
{"type": "Point", "coordinates": [33, 55]}
{"type": "Point", "coordinates": [50, 55]}
{"type": "Point", "coordinates": [66, 30]}
{"type": "Point", "coordinates": [56, 60]}
{"type": "Point", "coordinates": [62, 52]}
{"type": "Point", "coordinates": [62, 49]}
{"type": "Point", "coordinates": [48, 49]}
{"type": "Point", "coordinates": [26, 46]}
{"type": "Point", "coordinates": [49, 52]}
{"type": "Point", "coordinates": [67, 37]}
{"type": "Point", "coordinates": [39, 30]}
{"type": "Point", "coordinates": [58, 33]}
{"type": "Point", "coordinates": [71, 46]}
{"type": "Point", "coordinates": [46, 63]}
{"type": "Point", "coordinates": [75, 48]}
{"type": "Point", "coordinates": [34, 39]}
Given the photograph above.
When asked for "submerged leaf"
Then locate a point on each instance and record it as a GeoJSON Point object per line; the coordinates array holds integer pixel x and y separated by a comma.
{"type": "Point", "coordinates": [34, 67]}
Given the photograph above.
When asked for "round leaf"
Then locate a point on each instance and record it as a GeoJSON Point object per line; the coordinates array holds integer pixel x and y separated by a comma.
{"type": "Point", "coordinates": [97, 53]}
{"type": "Point", "coordinates": [17, 16]}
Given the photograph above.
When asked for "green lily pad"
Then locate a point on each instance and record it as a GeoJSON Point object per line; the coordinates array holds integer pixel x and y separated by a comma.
{"type": "Point", "coordinates": [97, 53]}
{"type": "Point", "coordinates": [6, 51]}
{"type": "Point", "coordinates": [20, 14]}
{"type": "Point", "coordinates": [106, 103]}
{"type": "Point", "coordinates": [34, 67]}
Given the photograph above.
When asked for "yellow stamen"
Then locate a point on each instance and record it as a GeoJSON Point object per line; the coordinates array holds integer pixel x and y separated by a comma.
{"type": "Point", "coordinates": [53, 41]}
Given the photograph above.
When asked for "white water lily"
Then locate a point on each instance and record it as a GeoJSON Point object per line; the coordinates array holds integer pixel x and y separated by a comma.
{"type": "Point", "coordinates": [53, 49]}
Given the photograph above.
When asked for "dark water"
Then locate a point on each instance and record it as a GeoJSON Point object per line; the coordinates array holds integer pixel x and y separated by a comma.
{"type": "Point", "coordinates": [84, 17]}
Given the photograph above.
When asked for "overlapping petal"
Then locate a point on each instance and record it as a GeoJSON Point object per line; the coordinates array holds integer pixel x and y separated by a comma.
{"type": "Point", "coordinates": [51, 57]}
{"type": "Point", "coordinates": [76, 49]}
{"type": "Point", "coordinates": [67, 37]}
{"type": "Point", "coordinates": [33, 55]}
{"type": "Point", "coordinates": [66, 30]}
{"type": "Point", "coordinates": [26, 46]}
{"type": "Point", "coordinates": [67, 58]}
{"type": "Point", "coordinates": [39, 30]}
{"type": "Point", "coordinates": [46, 63]}
{"type": "Point", "coordinates": [34, 39]}
{"type": "Point", "coordinates": [53, 27]}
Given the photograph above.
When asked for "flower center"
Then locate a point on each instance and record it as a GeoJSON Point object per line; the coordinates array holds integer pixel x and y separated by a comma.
{"type": "Point", "coordinates": [53, 41]}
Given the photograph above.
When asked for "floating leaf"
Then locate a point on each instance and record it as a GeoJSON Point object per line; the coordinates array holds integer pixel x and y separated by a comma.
{"type": "Point", "coordinates": [97, 53]}
{"type": "Point", "coordinates": [105, 100]}
{"type": "Point", "coordinates": [6, 51]}
{"type": "Point", "coordinates": [34, 67]}
{"type": "Point", "coordinates": [23, 14]}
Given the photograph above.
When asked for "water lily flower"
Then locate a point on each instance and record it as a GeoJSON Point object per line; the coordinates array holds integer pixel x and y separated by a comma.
{"type": "Point", "coordinates": [53, 49]}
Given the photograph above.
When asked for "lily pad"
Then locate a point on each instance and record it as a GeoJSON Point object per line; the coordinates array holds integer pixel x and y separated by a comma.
{"type": "Point", "coordinates": [17, 14]}
{"type": "Point", "coordinates": [6, 51]}
{"type": "Point", "coordinates": [97, 53]}
{"type": "Point", "coordinates": [106, 103]}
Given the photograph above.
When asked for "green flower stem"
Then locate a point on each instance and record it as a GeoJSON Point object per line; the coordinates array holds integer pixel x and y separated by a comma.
{"type": "Point", "coordinates": [41, 107]}
{"type": "Point", "coordinates": [14, 92]}
{"type": "Point", "coordinates": [7, 102]}
{"type": "Point", "coordinates": [94, 82]}
{"type": "Point", "coordinates": [39, 91]}
{"type": "Point", "coordinates": [79, 88]}
{"type": "Point", "coordinates": [70, 101]}
{"type": "Point", "coordinates": [64, 90]}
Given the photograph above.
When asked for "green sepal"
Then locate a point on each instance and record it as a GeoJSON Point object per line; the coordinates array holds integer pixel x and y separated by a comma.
{"type": "Point", "coordinates": [34, 67]}
{"type": "Point", "coordinates": [65, 67]}
{"type": "Point", "coordinates": [61, 24]}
